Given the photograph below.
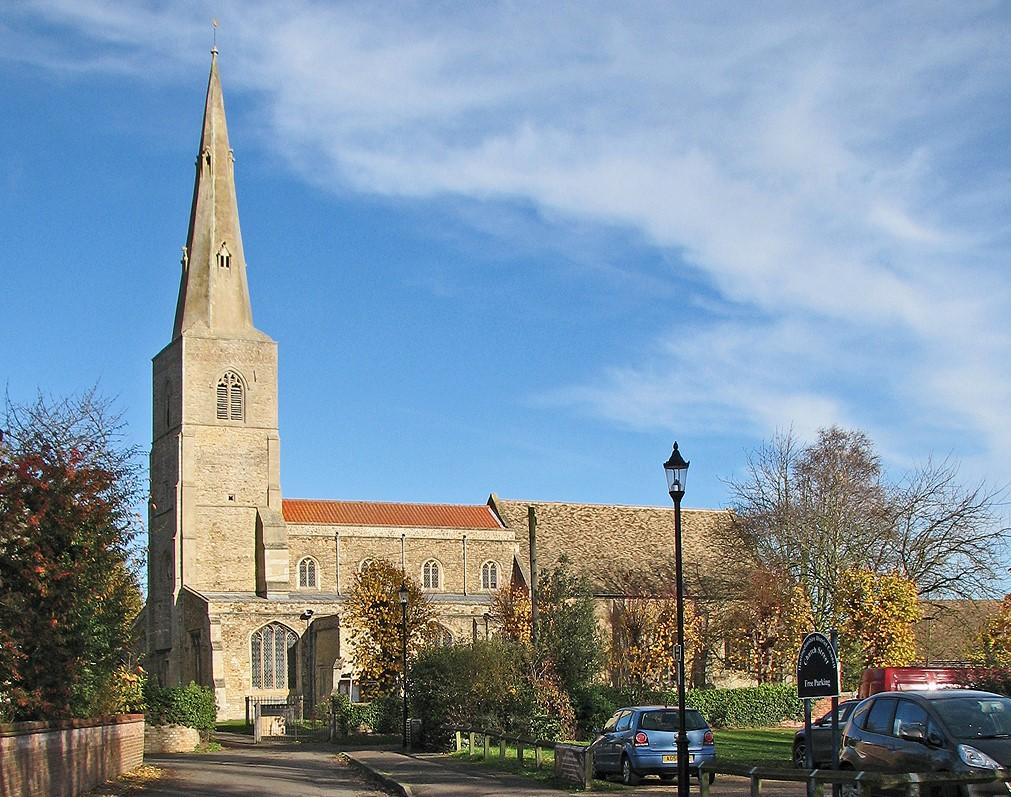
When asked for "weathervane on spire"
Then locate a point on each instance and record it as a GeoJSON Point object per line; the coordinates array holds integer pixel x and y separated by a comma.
{"type": "Point", "coordinates": [214, 44]}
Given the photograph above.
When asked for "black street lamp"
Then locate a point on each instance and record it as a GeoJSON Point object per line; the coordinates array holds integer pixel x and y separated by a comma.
{"type": "Point", "coordinates": [677, 472]}
{"type": "Point", "coordinates": [402, 594]}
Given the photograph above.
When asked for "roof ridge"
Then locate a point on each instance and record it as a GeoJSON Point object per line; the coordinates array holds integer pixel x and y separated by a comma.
{"type": "Point", "coordinates": [481, 505]}
{"type": "Point", "coordinates": [611, 505]}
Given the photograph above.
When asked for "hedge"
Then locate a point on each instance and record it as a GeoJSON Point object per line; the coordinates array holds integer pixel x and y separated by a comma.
{"type": "Point", "coordinates": [750, 706]}
{"type": "Point", "coordinates": [192, 706]}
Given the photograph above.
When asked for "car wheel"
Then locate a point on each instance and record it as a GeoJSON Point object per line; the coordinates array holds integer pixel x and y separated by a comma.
{"type": "Point", "coordinates": [628, 775]}
{"type": "Point", "coordinates": [800, 755]}
{"type": "Point", "coordinates": [850, 789]}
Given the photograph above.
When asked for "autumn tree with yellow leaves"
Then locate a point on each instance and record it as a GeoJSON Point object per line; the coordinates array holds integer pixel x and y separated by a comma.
{"type": "Point", "coordinates": [767, 624]}
{"type": "Point", "coordinates": [878, 610]}
{"type": "Point", "coordinates": [994, 641]}
{"type": "Point", "coordinates": [373, 617]}
{"type": "Point", "coordinates": [510, 609]}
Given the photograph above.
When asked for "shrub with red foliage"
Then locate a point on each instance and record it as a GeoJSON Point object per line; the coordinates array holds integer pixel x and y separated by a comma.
{"type": "Point", "coordinates": [68, 593]}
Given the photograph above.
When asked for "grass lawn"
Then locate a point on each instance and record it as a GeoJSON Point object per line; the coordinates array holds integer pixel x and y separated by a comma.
{"type": "Point", "coordinates": [767, 746]}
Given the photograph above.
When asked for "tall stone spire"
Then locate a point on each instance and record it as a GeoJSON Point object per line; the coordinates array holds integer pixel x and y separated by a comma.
{"type": "Point", "coordinates": [213, 292]}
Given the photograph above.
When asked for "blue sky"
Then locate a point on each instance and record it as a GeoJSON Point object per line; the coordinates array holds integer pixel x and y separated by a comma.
{"type": "Point", "coordinates": [523, 247]}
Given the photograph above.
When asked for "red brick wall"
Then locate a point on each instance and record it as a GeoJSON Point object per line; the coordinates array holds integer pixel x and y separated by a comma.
{"type": "Point", "coordinates": [64, 759]}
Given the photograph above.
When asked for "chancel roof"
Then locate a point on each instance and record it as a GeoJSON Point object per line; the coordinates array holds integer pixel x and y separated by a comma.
{"type": "Point", "coordinates": [607, 542]}
{"type": "Point", "coordinates": [374, 513]}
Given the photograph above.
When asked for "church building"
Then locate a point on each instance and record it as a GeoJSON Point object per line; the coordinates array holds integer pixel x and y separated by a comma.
{"type": "Point", "coordinates": [245, 587]}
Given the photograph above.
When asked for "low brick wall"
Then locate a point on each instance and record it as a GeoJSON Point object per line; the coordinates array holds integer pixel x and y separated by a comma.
{"type": "Point", "coordinates": [64, 759]}
{"type": "Point", "coordinates": [170, 739]}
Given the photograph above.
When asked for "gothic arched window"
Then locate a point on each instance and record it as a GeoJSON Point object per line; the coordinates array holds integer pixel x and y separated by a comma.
{"type": "Point", "coordinates": [231, 397]}
{"type": "Point", "coordinates": [430, 575]}
{"type": "Point", "coordinates": [489, 575]}
{"type": "Point", "coordinates": [272, 663]}
{"type": "Point", "coordinates": [307, 573]}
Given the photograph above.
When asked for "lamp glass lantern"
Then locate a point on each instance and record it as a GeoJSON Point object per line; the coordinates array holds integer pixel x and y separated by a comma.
{"type": "Point", "coordinates": [676, 469]}
{"type": "Point", "coordinates": [403, 594]}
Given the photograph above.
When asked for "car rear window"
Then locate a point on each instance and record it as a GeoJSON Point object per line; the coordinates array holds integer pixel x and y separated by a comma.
{"type": "Point", "coordinates": [667, 720]}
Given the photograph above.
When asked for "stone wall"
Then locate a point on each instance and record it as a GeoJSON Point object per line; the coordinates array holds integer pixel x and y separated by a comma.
{"type": "Point", "coordinates": [170, 739]}
{"type": "Point", "coordinates": [64, 759]}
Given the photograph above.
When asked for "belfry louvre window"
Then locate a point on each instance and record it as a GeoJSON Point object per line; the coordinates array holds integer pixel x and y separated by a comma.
{"type": "Point", "coordinates": [231, 398]}
{"type": "Point", "coordinates": [224, 257]}
{"type": "Point", "coordinates": [271, 658]}
{"type": "Point", "coordinates": [430, 575]}
{"type": "Point", "coordinates": [489, 575]}
{"type": "Point", "coordinates": [307, 573]}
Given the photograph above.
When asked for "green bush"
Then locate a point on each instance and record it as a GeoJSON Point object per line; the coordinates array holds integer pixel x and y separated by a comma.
{"type": "Point", "coordinates": [482, 685]}
{"type": "Point", "coordinates": [750, 706]}
{"type": "Point", "coordinates": [352, 716]}
{"type": "Point", "coordinates": [192, 706]}
{"type": "Point", "coordinates": [593, 705]}
{"type": "Point", "coordinates": [389, 713]}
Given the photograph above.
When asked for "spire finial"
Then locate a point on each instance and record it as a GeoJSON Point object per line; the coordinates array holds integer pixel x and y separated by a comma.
{"type": "Point", "coordinates": [214, 34]}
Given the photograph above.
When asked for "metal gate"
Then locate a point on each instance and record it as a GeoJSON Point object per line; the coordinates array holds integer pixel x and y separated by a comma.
{"type": "Point", "coordinates": [283, 719]}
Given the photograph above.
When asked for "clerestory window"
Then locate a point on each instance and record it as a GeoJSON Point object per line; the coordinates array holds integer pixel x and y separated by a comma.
{"type": "Point", "coordinates": [489, 575]}
{"type": "Point", "coordinates": [231, 398]}
{"type": "Point", "coordinates": [307, 574]}
{"type": "Point", "coordinates": [430, 575]}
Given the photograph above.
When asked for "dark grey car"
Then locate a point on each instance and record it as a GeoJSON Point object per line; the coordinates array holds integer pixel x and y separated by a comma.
{"type": "Point", "coordinates": [950, 730]}
{"type": "Point", "coordinates": [821, 737]}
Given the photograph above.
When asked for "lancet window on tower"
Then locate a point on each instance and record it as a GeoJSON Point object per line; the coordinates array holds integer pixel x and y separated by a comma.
{"type": "Point", "coordinates": [231, 397]}
{"type": "Point", "coordinates": [224, 256]}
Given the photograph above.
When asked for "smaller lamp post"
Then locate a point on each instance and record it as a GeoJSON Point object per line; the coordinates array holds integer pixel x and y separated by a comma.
{"type": "Point", "coordinates": [677, 472]}
{"type": "Point", "coordinates": [403, 594]}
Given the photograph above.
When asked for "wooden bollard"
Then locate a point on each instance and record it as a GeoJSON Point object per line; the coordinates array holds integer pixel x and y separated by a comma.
{"type": "Point", "coordinates": [470, 742]}
{"type": "Point", "coordinates": [487, 741]}
{"type": "Point", "coordinates": [501, 749]}
{"type": "Point", "coordinates": [459, 741]}
{"type": "Point", "coordinates": [538, 756]}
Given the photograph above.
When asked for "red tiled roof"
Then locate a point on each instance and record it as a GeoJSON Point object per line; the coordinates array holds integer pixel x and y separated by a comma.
{"type": "Point", "coordinates": [371, 513]}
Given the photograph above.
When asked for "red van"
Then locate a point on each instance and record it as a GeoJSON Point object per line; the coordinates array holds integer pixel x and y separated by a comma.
{"type": "Point", "coordinates": [898, 679]}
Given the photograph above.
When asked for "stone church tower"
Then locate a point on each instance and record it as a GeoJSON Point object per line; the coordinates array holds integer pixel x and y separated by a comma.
{"type": "Point", "coordinates": [215, 515]}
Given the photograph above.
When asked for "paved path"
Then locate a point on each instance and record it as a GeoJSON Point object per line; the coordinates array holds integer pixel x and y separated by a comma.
{"type": "Point", "coordinates": [261, 771]}
{"type": "Point", "coordinates": [434, 776]}
{"type": "Point", "coordinates": [242, 769]}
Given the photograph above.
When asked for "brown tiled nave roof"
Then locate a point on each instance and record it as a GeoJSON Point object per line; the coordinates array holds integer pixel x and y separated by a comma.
{"type": "Point", "coordinates": [374, 513]}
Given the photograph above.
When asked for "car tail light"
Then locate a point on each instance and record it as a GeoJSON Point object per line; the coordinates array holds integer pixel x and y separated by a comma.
{"type": "Point", "coordinates": [641, 738]}
{"type": "Point", "coordinates": [708, 738]}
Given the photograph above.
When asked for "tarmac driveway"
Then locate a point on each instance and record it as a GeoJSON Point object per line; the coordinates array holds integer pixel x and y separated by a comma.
{"type": "Point", "coordinates": [263, 771]}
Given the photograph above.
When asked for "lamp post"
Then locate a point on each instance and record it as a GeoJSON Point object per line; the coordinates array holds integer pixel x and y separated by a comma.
{"type": "Point", "coordinates": [676, 469]}
{"type": "Point", "coordinates": [402, 594]}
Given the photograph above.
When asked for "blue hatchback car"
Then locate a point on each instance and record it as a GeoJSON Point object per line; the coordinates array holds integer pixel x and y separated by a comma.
{"type": "Point", "coordinates": [642, 740]}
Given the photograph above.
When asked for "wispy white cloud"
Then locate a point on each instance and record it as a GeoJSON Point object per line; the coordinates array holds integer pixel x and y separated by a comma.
{"type": "Point", "coordinates": [837, 176]}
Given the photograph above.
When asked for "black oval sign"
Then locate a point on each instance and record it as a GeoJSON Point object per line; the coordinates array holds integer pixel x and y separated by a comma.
{"type": "Point", "coordinates": [817, 668]}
